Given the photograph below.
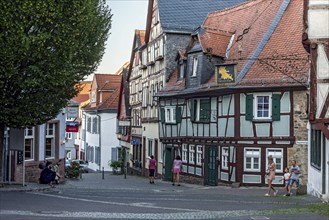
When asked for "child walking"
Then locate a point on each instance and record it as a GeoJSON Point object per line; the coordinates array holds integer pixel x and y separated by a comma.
{"type": "Point", "coordinates": [286, 179]}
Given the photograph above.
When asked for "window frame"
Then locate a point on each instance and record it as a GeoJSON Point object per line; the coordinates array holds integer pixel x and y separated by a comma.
{"type": "Point", "coordinates": [150, 148]}
{"type": "Point", "coordinates": [252, 162]}
{"type": "Point", "coordinates": [194, 66]}
{"type": "Point", "coordinates": [275, 158]}
{"type": "Point", "coordinates": [50, 136]}
{"type": "Point", "coordinates": [199, 154]}
{"type": "Point", "coordinates": [31, 138]}
{"type": "Point", "coordinates": [317, 141]}
{"type": "Point", "coordinates": [170, 114]}
{"type": "Point", "coordinates": [225, 158]}
{"type": "Point", "coordinates": [191, 154]}
{"type": "Point", "coordinates": [256, 105]}
{"type": "Point", "coordinates": [184, 153]}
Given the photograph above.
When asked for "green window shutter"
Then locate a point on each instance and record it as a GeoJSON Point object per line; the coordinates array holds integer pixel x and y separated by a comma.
{"type": "Point", "coordinates": [205, 108]}
{"type": "Point", "coordinates": [178, 114]}
{"type": "Point", "coordinates": [249, 107]}
{"type": "Point", "coordinates": [276, 98]}
{"type": "Point", "coordinates": [163, 117]}
{"type": "Point", "coordinates": [193, 106]}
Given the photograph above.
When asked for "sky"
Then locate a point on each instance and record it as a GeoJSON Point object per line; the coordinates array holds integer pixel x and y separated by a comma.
{"type": "Point", "coordinates": [128, 15]}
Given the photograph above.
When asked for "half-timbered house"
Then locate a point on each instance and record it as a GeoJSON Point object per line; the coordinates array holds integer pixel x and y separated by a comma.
{"type": "Point", "coordinates": [168, 28]}
{"type": "Point", "coordinates": [238, 95]}
{"type": "Point", "coordinates": [316, 39]}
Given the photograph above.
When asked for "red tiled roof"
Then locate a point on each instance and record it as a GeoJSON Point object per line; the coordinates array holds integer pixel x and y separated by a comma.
{"type": "Point", "coordinates": [112, 102]}
{"type": "Point", "coordinates": [173, 84]}
{"type": "Point", "coordinates": [107, 81]}
{"type": "Point", "coordinates": [215, 42]}
{"type": "Point", "coordinates": [81, 98]}
{"type": "Point", "coordinates": [250, 22]}
{"type": "Point", "coordinates": [284, 54]}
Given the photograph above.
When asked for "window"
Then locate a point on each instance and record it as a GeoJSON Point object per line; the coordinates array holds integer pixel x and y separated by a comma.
{"type": "Point", "coordinates": [263, 106]}
{"type": "Point", "coordinates": [170, 115]}
{"type": "Point", "coordinates": [68, 135]}
{"type": "Point", "coordinates": [89, 124]}
{"type": "Point", "coordinates": [191, 154]}
{"type": "Point", "coordinates": [184, 153]}
{"type": "Point", "coordinates": [252, 159]}
{"type": "Point", "coordinates": [150, 147]}
{"type": "Point", "coordinates": [93, 96]}
{"type": "Point", "coordinates": [225, 158]}
{"type": "Point", "coordinates": [200, 110]}
{"type": "Point", "coordinates": [199, 154]}
{"type": "Point", "coordinates": [50, 140]}
{"type": "Point", "coordinates": [194, 66]}
{"type": "Point", "coordinates": [181, 70]}
{"type": "Point", "coordinates": [316, 143]}
{"type": "Point", "coordinates": [29, 143]}
{"type": "Point", "coordinates": [95, 125]}
{"type": "Point", "coordinates": [277, 155]}
{"type": "Point", "coordinates": [97, 155]}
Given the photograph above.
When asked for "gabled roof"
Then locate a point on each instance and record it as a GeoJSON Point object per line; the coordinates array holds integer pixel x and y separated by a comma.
{"type": "Point", "coordinates": [187, 15]}
{"type": "Point", "coordinates": [112, 102]}
{"type": "Point", "coordinates": [139, 39]}
{"type": "Point", "coordinates": [265, 30]}
{"type": "Point", "coordinates": [184, 16]}
{"type": "Point", "coordinates": [267, 46]}
{"type": "Point", "coordinates": [107, 81]}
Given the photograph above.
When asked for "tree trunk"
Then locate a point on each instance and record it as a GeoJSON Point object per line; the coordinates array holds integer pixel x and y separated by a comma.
{"type": "Point", "coordinates": [2, 160]}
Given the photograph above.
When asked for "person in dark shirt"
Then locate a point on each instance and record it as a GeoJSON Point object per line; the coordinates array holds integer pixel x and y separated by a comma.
{"type": "Point", "coordinates": [47, 176]}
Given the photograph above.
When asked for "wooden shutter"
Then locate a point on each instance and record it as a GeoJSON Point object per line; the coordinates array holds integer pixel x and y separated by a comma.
{"type": "Point", "coordinates": [205, 109]}
{"type": "Point", "coordinates": [178, 114]}
{"type": "Point", "coordinates": [249, 107]}
{"type": "Point", "coordinates": [193, 105]}
{"type": "Point", "coordinates": [163, 117]}
{"type": "Point", "coordinates": [276, 98]}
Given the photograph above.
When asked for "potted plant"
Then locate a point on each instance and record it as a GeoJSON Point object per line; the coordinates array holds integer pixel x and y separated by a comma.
{"type": "Point", "coordinates": [116, 164]}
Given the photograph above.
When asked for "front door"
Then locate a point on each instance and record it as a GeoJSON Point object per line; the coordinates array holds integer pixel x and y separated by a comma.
{"type": "Point", "coordinates": [211, 173]}
{"type": "Point", "coordinates": [168, 164]}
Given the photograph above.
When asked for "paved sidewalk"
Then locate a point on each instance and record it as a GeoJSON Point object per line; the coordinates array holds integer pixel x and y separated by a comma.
{"type": "Point", "coordinates": [119, 182]}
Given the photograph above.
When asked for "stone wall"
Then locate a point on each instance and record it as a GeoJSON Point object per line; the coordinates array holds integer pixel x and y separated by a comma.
{"type": "Point", "coordinates": [299, 152]}
{"type": "Point", "coordinates": [32, 171]}
{"type": "Point", "coordinates": [191, 179]}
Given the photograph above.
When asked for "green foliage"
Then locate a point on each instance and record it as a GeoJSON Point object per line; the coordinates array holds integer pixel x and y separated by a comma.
{"type": "Point", "coordinates": [320, 209]}
{"type": "Point", "coordinates": [47, 47]}
{"type": "Point", "coordinates": [73, 171]}
{"type": "Point", "coordinates": [115, 164]}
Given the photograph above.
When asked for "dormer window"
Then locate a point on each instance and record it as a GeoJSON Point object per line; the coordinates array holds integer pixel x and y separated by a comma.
{"type": "Point", "coordinates": [181, 70]}
{"type": "Point", "coordinates": [194, 66]}
{"type": "Point", "coordinates": [93, 96]}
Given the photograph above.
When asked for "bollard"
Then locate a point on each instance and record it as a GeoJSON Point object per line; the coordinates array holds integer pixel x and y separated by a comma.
{"type": "Point", "coordinates": [125, 172]}
{"type": "Point", "coordinates": [103, 173]}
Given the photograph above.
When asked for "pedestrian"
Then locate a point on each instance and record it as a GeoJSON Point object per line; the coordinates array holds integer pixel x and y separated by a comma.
{"type": "Point", "coordinates": [152, 166]}
{"type": "Point", "coordinates": [47, 176]}
{"type": "Point", "coordinates": [177, 165]}
{"type": "Point", "coordinates": [294, 177]}
{"type": "Point", "coordinates": [286, 178]}
{"type": "Point", "coordinates": [271, 176]}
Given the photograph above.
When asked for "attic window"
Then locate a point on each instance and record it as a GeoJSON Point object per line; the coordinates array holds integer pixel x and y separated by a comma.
{"type": "Point", "coordinates": [229, 47]}
{"type": "Point", "coordinates": [194, 66]}
{"type": "Point", "coordinates": [181, 70]}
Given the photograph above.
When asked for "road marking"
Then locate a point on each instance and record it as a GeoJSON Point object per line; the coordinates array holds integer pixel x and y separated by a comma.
{"type": "Point", "coordinates": [260, 218]}
{"type": "Point", "coordinates": [107, 215]}
{"type": "Point", "coordinates": [117, 203]}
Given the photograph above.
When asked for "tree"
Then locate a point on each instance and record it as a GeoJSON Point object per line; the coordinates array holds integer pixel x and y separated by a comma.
{"type": "Point", "coordinates": [47, 47]}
